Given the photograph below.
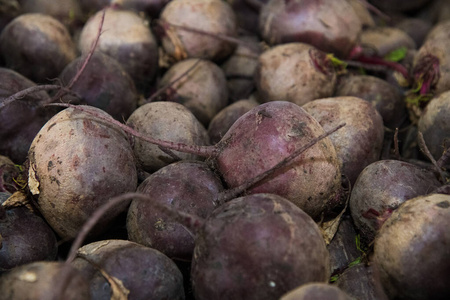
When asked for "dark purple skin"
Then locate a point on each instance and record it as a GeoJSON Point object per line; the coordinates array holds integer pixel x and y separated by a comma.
{"type": "Point", "coordinates": [25, 237]}
{"type": "Point", "coordinates": [103, 84]}
{"type": "Point", "coordinates": [264, 136]}
{"type": "Point", "coordinates": [386, 98]}
{"type": "Point", "coordinates": [37, 46]}
{"type": "Point", "coordinates": [37, 280]}
{"type": "Point", "coordinates": [247, 13]}
{"type": "Point", "coordinates": [399, 5]}
{"type": "Point", "coordinates": [8, 11]}
{"type": "Point", "coordinates": [342, 247]}
{"type": "Point", "coordinates": [381, 188]}
{"type": "Point", "coordinates": [328, 25]}
{"type": "Point", "coordinates": [361, 282]}
{"type": "Point", "coordinates": [257, 247]}
{"type": "Point", "coordinates": [21, 119]}
{"type": "Point", "coordinates": [145, 272]}
{"type": "Point", "coordinates": [186, 186]}
{"type": "Point", "coordinates": [220, 124]}
{"type": "Point", "coordinates": [152, 8]}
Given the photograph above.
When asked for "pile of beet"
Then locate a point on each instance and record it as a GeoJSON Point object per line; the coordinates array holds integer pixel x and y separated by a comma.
{"type": "Point", "coordinates": [212, 149]}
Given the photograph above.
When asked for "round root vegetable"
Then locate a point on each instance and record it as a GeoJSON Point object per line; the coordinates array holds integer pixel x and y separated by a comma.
{"type": "Point", "coordinates": [318, 291]}
{"type": "Point", "coordinates": [385, 39]}
{"type": "Point", "coordinates": [20, 120]}
{"type": "Point", "coordinates": [432, 61]}
{"type": "Point", "coordinates": [434, 124]}
{"type": "Point", "coordinates": [387, 98]}
{"type": "Point", "coordinates": [257, 247]}
{"type": "Point", "coordinates": [24, 237]}
{"type": "Point", "coordinates": [363, 13]}
{"type": "Point", "coordinates": [381, 188]}
{"type": "Point", "coordinates": [143, 273]}
{"type": "Point", "coordinates": [294, 72]}
{"type": "Point", "coordinates": [270, 132]}
{"type": "Point", "coordinates": [186, 186]}
{"type": "Point", "coordinates": [240, 68]}
{"type": "Point", "coordinates": [203, 90]}
{"type": "Point", "coordinates": [167, 121]}
{"type": "Point", "coordinates": [104, 84]}
{"type": "Point", "coordinates": [215, 16]}
{"type": "Point", "coordinates": [328, 25]}
{"type": "Point", "coordinates": [37, 46]}
{"type": "Point", "coordinates": [411, 250]}
{"type": "Point", "coordinates": [416, 28]}
{"type": "Point", "coordinates": [359, 143]}
{"type": "Point", "coordinates": [127, 38]}
{"type": "Point", "coordinates": [68, 12]}
{"type": "Point", "coordinates": [36, 281]}
{"type": "Point", "coordinates": [223, 120]}
{"type": "Point", "coordinates": [247, 13]}
{"type": "Point", "coordinates": [77, 162]}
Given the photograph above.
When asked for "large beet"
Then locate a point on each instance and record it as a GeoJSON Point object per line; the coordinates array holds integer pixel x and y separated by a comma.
{"type": "Point", "coordinates": [78, 162]}
{"type": "Point", "coordinates": [411, 249]}
{"type": "Point", "coordinates": [268, 133]}
{"type": "Point", "coordinates": [328, 25]}
{"type": "Point", "coordinates": [257, 247]}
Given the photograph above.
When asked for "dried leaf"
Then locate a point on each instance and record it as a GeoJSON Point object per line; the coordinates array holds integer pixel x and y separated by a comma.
{"type": "Point", "coordinates": [329, 229]}
{"type": "Point", "coordinates": [17, 199]}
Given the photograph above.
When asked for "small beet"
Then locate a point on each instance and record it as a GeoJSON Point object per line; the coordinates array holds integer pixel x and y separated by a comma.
{"type": "Point", "coordinates": [317, 291]}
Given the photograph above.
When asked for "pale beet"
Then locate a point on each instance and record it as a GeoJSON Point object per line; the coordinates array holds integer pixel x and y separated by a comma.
{"type": "Point", "coordinates": [411, 250]}
{"type": "Point", "coordinates": [294, 72]}
{"type": "Point", "coordinates": [317, 291]}
{"type": "Point", "coordinates": [78, 162]}
{"type": "Point", "coordinates": [166, 121]}
{"type": "Point", "coordinates": [359, 143]}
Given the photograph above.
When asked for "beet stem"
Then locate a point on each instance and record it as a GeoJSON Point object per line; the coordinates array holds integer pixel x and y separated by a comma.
{"type": "Point", "coordinates": [77, 76]}
{"type": "Point", "coordinates": [233, 193]}
{"type": "Point", "coordinates": [423, 147]}
{"type": "Point", "coordinates": [31, 90]}
{"type": "Point", "coordinates": [204, 151]}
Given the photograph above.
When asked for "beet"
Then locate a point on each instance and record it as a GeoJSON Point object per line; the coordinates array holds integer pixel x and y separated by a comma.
{"type": "Point", "coordinates": [215, 16]}
{"type": "Point", "coordinates": [381, 188]}
{"type": "Point", "coordinates": [257, 247]}
{"type": "Point", "coordinates": [104, 84]}
{"type": "Point", "coordinates": [151, 8]}
{"type": "Point", "coordinates": [22, 119]}
{"type": "Point", "coordinates": [136, 52]}
{"type": "Point", "coordinates": [266, 134]}
{"type": "Point", "coordinates": [318, 291]}
{"type": "Point", "coordinates": [25, 237]}
{"type": "Point", "coordinates": [186, 186]}
{"type": "Point", "coordinates": [78, 162]}
{"type": "Point", "coordinates": [35, 281]}
{"type": "Point", "coordinates": [37, 46]}
{"type": "Point", "coordinates": [143, 273]}
{"type": "Point", "coordinates": [435, 124]}
{"type": "Point", "coordinates": [328, 25]}
{"type": "Point", "coordinates": [387, 98]}
{"type": "Point", "coordinates": [384, 40]}
{"type": "Point", "coordinates": [203, 90]}
{"type": "Point", "coordinates": [225, 118]}
{"type": "Point", "coordinates": [359, 143]}
{"type": "Point", "coordinates": [294, 72]}
{"type": "Point", "coordinates": [411, 249]}
{"type": "Point", "coordinates": [166, 121]}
